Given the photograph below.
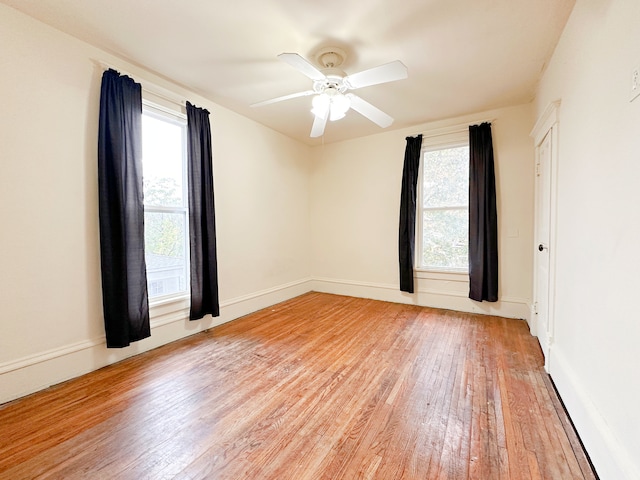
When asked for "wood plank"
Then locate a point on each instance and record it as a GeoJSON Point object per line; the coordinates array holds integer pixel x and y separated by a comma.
{"type": "Point", "coordinates": [318, 387]}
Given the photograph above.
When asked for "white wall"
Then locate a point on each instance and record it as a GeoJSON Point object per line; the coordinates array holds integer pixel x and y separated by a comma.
{"type": "Point", "coordinates": [274, 205]}
{"type": "Point", "coordinates": [595, 355]}
{"type": "Point", "coordinates": [51, 324]}
{"type": "Point", "coordinates": [355, 212]}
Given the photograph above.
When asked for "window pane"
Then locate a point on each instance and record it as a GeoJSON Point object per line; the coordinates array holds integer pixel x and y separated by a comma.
{"type": "Point", "coordinates": [445, 238]}
{"type": "Point", "coordinates": [165, 253]}
{"type": "Point", "coordinates": [162, 152]}
{"type": "Point", "coordinates": [446, 177]}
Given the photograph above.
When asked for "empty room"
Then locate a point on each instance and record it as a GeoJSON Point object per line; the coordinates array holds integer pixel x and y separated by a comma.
{"type": "Point", "coordinates": [319, 240]}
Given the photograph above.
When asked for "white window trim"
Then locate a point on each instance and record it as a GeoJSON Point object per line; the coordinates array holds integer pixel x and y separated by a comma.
{"type": "Point", "coordinates": [173, 302]}
{"type": "Point", "coordinates": [456, 137]}
{"type": "Point", "coordinates": [163, 111]}
{"type": "Point", "coordinates": [445, 275]}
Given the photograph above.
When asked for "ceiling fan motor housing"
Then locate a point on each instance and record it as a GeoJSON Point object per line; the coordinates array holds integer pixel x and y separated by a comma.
{"type": "Point", "coordinates": [334, 81]}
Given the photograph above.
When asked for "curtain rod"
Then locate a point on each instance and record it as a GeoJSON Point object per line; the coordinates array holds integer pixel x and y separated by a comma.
{"type": "Point", "coordinates": [148, 87]}
{"type": "Point", "coordinates": [461, 127]}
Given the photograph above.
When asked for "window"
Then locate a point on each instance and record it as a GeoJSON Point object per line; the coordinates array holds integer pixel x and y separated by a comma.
{"type": "Point", "coordinates": [164, 164]}
{"type": "Point", "coordinates": [443, 209]}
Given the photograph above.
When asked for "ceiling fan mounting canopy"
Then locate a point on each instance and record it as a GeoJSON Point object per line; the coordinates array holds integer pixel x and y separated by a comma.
{"type": "Point", "coordinates": [331, 57]}
{"type": "Point", "coordinates": [330, 86]}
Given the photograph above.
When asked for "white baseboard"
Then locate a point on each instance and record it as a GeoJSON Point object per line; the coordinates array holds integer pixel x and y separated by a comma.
{"type": "Point", "coordinates": [428, 297]}
{"type": "Point", "coordinates": [169, 323]}
{"type": "Point", "coordinates": [36, 372]}
{"type": "Point", "coordinates": [609, 456]}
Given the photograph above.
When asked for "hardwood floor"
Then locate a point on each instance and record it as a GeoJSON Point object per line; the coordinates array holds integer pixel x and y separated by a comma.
{"type": "Point", "coordinates": [318, 387]}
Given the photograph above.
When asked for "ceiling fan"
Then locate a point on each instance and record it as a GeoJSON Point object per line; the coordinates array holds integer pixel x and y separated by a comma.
{"type": "Point", "coordinates": [330, 86]}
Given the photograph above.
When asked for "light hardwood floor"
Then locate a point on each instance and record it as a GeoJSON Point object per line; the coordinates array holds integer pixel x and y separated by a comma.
{"type": "Point", "coordinates": [318, 387]}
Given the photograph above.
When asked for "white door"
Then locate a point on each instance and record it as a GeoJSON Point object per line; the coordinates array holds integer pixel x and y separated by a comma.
{"type": "Point", "coordinates": [543, 327]}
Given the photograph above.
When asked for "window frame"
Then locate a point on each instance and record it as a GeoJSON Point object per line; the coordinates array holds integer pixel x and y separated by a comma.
{"type": "Point", "coordinates": [437, 141]}
{"type": "Point", "coordinates": [178, 118]}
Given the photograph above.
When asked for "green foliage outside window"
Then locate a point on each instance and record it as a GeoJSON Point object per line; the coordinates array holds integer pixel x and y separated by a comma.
{"type": "Point", "coordinates": [445, 202]}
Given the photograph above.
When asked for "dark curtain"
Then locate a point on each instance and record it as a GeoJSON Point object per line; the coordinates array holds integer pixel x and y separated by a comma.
{"type": "Point", "coordinates": [202, 217]}
{"type": "Point", "coordinates": [121, 211]}
{"type": "Point", "coordinates": [407, 231]}
{"type": "Point", "coordinates": [483, 218]}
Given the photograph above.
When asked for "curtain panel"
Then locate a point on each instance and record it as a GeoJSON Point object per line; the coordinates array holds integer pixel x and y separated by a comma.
{"type": "Point", "coordinates": [121, 211]}
{"type": "Point", "coordinates": [483, 217]}
{"type": "Point", "coordinates": [202, 217]}
{"type": "Point", "coordinates": [407, 230]}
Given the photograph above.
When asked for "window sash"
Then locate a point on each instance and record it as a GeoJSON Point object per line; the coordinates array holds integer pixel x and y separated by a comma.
{"type": "Point", "coordinates": [178, 119]}
{"type": "Point", "coordinates": [454, 207]}
{"type": "Point", "coordinates": [456, 141]}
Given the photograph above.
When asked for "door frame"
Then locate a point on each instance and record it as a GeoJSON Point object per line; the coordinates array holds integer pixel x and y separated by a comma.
{"type": "Point", "coordinates": [547, 124]}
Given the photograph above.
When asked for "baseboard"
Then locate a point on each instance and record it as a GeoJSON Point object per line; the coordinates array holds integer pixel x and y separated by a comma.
{"type": "Point", "coordinates": [169, 322]}
{"type": "Point", "coordinates": [36, 372]}
{"type": "Point", "coordinates": [428, 297]}
{"type": "Point", "coordinates": [610, 458]}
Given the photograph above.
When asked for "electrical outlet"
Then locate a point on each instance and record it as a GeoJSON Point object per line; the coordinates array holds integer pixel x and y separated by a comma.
{"type": "Point", "coordinates": [635, 83]}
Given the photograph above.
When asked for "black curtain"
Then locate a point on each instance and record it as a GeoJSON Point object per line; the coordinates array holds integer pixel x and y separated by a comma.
{"type": "Point", "coordinates": [407, 231]}
{"type": "Point", "coordinates": [202, 217]}
{"type": "Point", "coordinates": [483, 218]}
{"type": "Point", "coordinates": [121, 211]}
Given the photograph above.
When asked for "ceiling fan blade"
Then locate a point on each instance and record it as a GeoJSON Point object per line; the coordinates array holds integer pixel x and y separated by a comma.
{"type": "Point", "coordinates": [284, 97]}
{"type": "Point", "coordinates": [389, 72]}
{"type": "Point", "coordinates": [317, 130]}
{"type": "Point", "coordinates": [300, 64]}
{"type": "Point", "coordinates": [365, 109]}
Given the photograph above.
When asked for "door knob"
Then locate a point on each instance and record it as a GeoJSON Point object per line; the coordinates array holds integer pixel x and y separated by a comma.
{"type": "Point", "coordinates": [541, 247]}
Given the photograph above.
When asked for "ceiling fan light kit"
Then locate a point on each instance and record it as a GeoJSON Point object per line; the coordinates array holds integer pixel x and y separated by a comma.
{"type": "Point", "coordinates": [332, 103]}
{"type": "Point", "coordinates": [330, 86]}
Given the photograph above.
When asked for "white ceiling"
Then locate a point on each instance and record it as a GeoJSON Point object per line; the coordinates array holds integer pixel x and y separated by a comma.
{"type": "Point", "coordinates": [463, 56]}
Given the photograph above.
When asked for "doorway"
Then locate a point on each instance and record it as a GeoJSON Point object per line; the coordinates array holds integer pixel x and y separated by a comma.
{"type": "Point", "coordinates": [545, 135]}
